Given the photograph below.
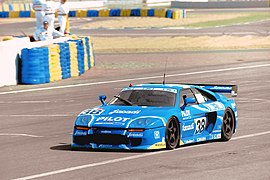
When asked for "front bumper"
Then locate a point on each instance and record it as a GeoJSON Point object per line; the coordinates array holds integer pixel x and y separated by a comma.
{"type": "Point", "coordinates": [119, 139]}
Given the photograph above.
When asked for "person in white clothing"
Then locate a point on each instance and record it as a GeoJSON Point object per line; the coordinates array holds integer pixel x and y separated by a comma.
{"type": "Point", "coordinates": [39, 12]}
{"type": "Point", "coordinates": [62, 15]}
{"type": "Point", "coordinates": [46, 33]}
{"type": "Point", "coordinates": [50, 8]}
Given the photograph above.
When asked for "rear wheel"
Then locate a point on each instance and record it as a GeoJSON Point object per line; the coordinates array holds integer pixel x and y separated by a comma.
{"type": "Point", "coordinates": [227, 125]}
{"type": "Point", "coordinates": [172, 133]}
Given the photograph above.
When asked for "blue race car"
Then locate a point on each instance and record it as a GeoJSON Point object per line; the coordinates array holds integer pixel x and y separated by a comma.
{"type": "Point", "coordinates": [157, 116]}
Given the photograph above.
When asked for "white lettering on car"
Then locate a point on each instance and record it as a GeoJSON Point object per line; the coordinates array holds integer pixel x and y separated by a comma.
{"type": "Point", "coordinates": [118, 111]}
{"type": "Point", "coordinates": [188, 127]}
{"type": "Point", "coordinates": [112, 119]}
{"type": "Point", "coordinates": [185, 113]}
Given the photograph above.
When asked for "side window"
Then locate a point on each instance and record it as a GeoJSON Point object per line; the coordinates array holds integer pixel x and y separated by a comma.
{"type": "Point", "coordinates": [206, 95]}
{"type": "Point", "coordinates": [200, 98]}
{"type": "Point", "coordinates": [185, 93]}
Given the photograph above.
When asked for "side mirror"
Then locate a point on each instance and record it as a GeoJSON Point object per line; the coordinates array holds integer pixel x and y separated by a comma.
{"type": "Point", "coordinates": [102, 99]}
{"type": "Point", "coordinates": [188, 101]}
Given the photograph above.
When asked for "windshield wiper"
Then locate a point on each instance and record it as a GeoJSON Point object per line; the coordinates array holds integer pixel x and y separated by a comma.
{"type": "Point", "coordinates": [127, 102]}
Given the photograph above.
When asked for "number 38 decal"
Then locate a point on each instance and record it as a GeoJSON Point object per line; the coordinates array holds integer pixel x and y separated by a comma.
{"type": "Point", "coordinates": [200, 125]}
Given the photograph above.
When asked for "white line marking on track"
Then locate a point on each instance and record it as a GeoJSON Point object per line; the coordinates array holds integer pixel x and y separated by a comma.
{"type": "Point", "coordinates": [25, 135]}
{"type": "Point", "coordinates": [135, 79]}
{"type": "Point", "coordinates": [128, 158]}
{"type": "Point", "coordinates": [36, 115]}
{"type": "Point", "coordinates": [23, 102]}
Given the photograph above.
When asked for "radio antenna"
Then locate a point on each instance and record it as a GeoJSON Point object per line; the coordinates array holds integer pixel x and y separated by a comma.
{"type": "Point", "coordinates": [165, 70]}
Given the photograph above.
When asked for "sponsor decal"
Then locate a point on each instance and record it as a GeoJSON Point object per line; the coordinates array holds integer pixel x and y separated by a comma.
{"type": "Point", "coordinates": [112, 119]}
{"type": "Point", "coordinates": [188, 127]}
{"type": "Point", "coordinates": [105, 146]}
{"type": "Point", "coordinates": [80, 133]}
{"type": "Point", "coordinates": [105, 132]}
{"type": "Point", "coordinates": [118, 111]}
{"type": "Point", "coordinates": [156, 134]}
{"type": "Point", "coordinates": [221, 88]}
{"type": "Point", "coordinates": [200, 125]}
{"type": "Point", "coordinates": [151, 89]}
{"type": "Point", "coordinates": [135, 134]}
{"type": "Point", "coordinates": [215, 136]}
{"type": "Point", "coordinates": [201, 139]}
{"type": "Point", "coordinates": [215, 106]}
{"type": "Point", "coordinates": [216, 131]}
{"type": "Point", "coordinates": [95, 111]}
{"type": "Point", "coordinates": [159, 144]}
{"type": "Point", "coordinates": [189, 141]}
{"type": "Point", "coordinates": [233, 105]}
{"type": "Point", "coordinates": [185, 113]}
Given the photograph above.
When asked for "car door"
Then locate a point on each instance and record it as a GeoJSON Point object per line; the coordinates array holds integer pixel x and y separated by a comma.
{"type": "Point", "coordinates": [194, 114]}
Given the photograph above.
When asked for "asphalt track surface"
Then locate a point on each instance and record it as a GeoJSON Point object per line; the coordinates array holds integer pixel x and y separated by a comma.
{"type": "Point", "coordinates": [261, 28]}
{"type": "Point", "coordinates": [36, 122]}
{"type": "Point", "coordinates": [36, 125]}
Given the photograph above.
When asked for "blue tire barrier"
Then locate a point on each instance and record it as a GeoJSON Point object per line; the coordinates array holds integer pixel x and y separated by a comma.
{"type": "Point", "coordinates": [50, 63]}
{"type": "Point", "coordinates": [151, 12]}
{"type": "Point", "coordinates": [88, 51]}
{"type": "Point", "coordinates": [64, 60]}
{"type": "Point", "coordinates": [4, 14]}
{"type": "Point", "coordinates": [92, 13]}
{"type": "Point", "coordinates": [115, 12]}
{"type": "Point", "coordinates": [169, 13]}
{"type": "Point", "coordinates": [135, 12]}
{"type": "Point", "coordinates": [25, 13]}
{"type": "Point", "coordinates": [33, 70]}
{"type": "Point", "coordinates": [72, 14]}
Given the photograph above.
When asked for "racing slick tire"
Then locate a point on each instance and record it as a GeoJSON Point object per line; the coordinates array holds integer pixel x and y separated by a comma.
{"type": "Point", "coordinates": [227, 125]}
{"type": "Point", "coordinates": [172, 133]}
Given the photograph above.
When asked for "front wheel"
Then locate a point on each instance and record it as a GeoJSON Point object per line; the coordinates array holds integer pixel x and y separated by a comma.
{"type": "Point", "coordinates": [172, 133]}
{"type": "Point", "coordinates": [227, 125]}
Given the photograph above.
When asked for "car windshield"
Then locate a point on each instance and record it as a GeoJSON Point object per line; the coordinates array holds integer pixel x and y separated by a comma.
{"type": "Point", "coordinates": [145, 98]}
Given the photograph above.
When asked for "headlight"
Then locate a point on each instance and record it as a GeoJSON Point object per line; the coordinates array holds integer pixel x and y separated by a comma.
{"type": "Point", "coordinates": [147, 123]}
{"type": "Point", "coordinates": [82, 121]}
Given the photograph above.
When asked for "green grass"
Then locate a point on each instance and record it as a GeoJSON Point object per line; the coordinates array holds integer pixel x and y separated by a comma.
{"type": "Point", "coordinates": [250, 17]}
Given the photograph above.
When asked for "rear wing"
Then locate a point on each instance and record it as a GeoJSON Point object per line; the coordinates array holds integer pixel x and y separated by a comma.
{"type": "Point", "coordinates": [217, 88]}
{"type": "Point", "coordinates": [232, 89]}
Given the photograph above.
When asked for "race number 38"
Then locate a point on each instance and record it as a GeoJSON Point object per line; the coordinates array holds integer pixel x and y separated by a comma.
{"type": "Point", "coordinates": [200, 125]}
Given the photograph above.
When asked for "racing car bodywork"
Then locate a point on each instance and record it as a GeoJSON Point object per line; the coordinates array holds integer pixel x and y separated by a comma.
{"type": "Point", "coordinates": [156, 116]}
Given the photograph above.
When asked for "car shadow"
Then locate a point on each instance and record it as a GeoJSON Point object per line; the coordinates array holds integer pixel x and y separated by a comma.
{"type": "Point", "coordinates": [67, 147]}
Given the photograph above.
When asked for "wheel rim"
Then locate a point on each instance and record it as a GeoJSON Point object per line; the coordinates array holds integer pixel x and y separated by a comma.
{"type": "Point", "coordinates": [172, 133]}
{"type": "Point", "coordinates": [228, 124]}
